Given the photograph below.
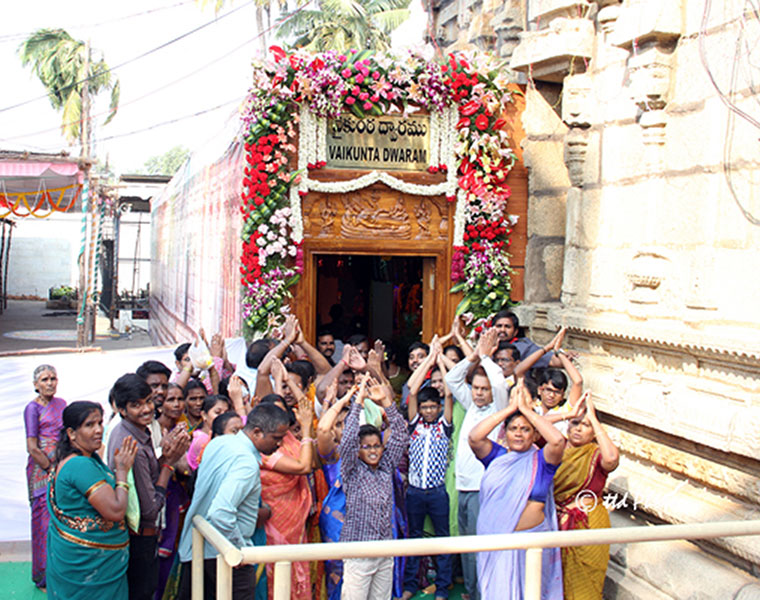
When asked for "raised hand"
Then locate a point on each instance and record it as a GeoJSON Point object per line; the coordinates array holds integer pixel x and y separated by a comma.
{"type": "Point", "coordinates": [290, 329]}
{"type": "Point", "coordinates": [175, 444]}
{"type": "Point", "coordinates": [362, 391]}
{"type": "Point", "coordinates": [299, 337]}
{"type": "Point", "coordinates": [331, 394]}
{"type": "Point", "coordinates": [217, 345]}
{"type": "Point", "coordinates": [305, 413]}
{"type": "Point", "coordinates": [355, 360]}
{"type": "Point", "coordinates": [522, 398]}
{"type": "Point", "coordinates": [124, 457]}
{"type": "Point", "coordinates": [436, 349]}
{"type": "Point", "coordinates": [589, 405]}
{"type": "Point", "coordinates": [488, 343]}
{"type": "Point", "coordinates": [457, 329]}
{"type": "Point", "coordinates": [378, 393]}
{"type": "Point", "coordinates": [349, 394]}
{"type": "Point", "coordinates": [556, 343]}
{"type": "Point", "coordinates": [373, 361]}
{"type": "Point", "coordinates": [379, 348]}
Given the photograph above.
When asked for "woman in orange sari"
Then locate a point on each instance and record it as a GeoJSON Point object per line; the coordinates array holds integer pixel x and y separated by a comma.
{"type": "Point", "coordinates": [579, 482]}
{"type": "Point", "coordinates": [285, 488]}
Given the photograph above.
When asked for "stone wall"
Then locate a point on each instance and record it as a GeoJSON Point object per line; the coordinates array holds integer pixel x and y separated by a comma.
{"type": "Point", "coordinates": [643, 224]}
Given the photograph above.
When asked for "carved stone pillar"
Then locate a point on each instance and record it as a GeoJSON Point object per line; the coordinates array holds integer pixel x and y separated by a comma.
{"type": "Point", "coordinates": [609, 11]}
{"type": "Point", "coordinates": [650, 75]}
{"type": "Point", "coordinates": [576, 145]}
{"type": "Point", "coordinates": [577, 116]}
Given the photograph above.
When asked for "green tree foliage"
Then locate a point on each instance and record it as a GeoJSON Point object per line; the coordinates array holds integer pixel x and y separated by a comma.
{"type": "Point", "coordinates": [167, 163]}
{"type": "Point", "coordinates": [58, 60]}
{"type": "Point", "coordinates": [342, 24]}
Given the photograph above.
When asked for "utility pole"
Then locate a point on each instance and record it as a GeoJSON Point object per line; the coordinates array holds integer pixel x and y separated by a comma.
{"type": "Point", "coordinates": [84, 319]}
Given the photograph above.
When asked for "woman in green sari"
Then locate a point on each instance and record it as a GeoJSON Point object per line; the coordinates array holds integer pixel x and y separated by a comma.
{"type": "Point", "coordinates": [88, 543]}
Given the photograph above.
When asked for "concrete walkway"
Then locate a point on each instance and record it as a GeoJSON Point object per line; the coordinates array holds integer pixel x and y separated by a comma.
{"type": "Point", "coordinates": [27, 325]}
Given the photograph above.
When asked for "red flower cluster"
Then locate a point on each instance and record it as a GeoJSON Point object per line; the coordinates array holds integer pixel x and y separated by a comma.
{"type": "Point", "coordinates": [457, 262]}
{"type": "Point", "coordinates": [317, 165]}
{"type": "Point", "coordinates": [256, 186]}
{"type": "Point", "coordinates": [492, 231]}
{"type": "Point", "coordinates": [486, 230]}
{"type": "Point", "coordinates": [439, 169]}
{"type": "Point", "coordinates": [459, 80]}
{"type": "Point", "coordinates": [250, 269]}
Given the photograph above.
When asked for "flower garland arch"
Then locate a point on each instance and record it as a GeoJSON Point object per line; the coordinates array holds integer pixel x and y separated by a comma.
{"type": "Point", "coordinates": [465, 95]}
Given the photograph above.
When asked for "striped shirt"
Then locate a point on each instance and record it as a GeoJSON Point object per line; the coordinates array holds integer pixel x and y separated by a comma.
{"type": "Point", "coordinates": [428, 452]}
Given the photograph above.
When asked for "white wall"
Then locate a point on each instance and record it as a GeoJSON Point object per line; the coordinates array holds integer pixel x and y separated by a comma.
{"type": "Point", "coordinates": [132, 251]}
{"type": "Point", "coordinates": [44, 254]}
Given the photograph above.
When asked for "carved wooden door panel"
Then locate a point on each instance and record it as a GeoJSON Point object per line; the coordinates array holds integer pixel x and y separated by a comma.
{"type": "Point", "coordinates": [378, 221]}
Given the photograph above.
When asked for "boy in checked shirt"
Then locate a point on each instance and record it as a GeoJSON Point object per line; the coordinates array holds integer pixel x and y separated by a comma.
{"type": "Point", "coordinates": [367, 469]}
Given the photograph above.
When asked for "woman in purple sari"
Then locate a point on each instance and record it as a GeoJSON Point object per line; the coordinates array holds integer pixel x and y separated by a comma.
{"type": "Point", "coordinates": [43, 420]}
{"type": "Point", "coordinates": [516, 495]}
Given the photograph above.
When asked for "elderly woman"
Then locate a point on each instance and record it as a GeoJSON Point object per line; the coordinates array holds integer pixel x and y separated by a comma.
{"type": "Point", "coordinates": [516, 495]}
{"type": "Point", "coordinates": [88, 543]}
{"type": "Point", "coordinates": [578, 485]}
{"type": "Point", "coordinates": [42, 420]}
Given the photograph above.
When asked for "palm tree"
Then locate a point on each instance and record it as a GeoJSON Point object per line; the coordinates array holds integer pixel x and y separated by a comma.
{"type": "Point", "coordinates": [342, 24]}
{"type": "Point", "coordinates": [59, 61]}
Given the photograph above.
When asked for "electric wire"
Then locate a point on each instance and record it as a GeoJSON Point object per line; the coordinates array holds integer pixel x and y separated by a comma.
{"type": "Point", "coordinates": [169, 122]}
{"type": "Point", "coordinates": [732, 112]}
{"type": "Point", "coordinates": [10, 37]}
{"type": "Point", "coordinates": [136, 58]}
{"type": "Point", "coordinates": [169, 84]}
{"type": "Point", "coordinates": [146, 95]}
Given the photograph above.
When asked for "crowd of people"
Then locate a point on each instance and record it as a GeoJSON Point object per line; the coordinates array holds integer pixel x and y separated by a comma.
{"type": "Point", "coordinates": [300, 446]}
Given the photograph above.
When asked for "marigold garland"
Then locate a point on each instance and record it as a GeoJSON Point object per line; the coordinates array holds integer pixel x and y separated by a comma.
{"type": "Point", "coordinates": [314, 87]}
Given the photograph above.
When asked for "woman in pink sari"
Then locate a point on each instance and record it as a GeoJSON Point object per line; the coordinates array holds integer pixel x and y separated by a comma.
{"type": "Point", "coordinates": [43, 420]}
{"type": "Point", "coordinates": [285, 488]}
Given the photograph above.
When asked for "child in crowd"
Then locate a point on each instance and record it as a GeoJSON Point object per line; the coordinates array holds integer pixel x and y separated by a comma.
{"type": "Point", "coordinates": [430, 431]}
{"type": "Point", "coordinates": [213, 406]}
{"type": "Point", "coordinates": [552, 384]}
{"type": "Point", "coordinates": [367, 469]}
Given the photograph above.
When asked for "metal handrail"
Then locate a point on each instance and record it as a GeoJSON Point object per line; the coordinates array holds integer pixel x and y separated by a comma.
{"type": "Point", "coordinates": [284, 555]}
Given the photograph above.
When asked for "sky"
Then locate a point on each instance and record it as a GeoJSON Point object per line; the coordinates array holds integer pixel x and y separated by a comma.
{"type": "Point", "coordinates": [175, 82]}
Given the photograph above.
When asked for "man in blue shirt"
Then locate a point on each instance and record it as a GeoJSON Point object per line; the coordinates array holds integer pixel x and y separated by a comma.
{"type": "Point", "coordinates": [227, 494]}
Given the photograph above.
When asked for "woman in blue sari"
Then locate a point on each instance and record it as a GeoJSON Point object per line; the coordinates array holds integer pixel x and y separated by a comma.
{"type": "Point", "coordinates": [329, 434]}
{"type": "Point", "coordinates": [516, 494]}
{"type": "Point", "coordinates": [88, 543]}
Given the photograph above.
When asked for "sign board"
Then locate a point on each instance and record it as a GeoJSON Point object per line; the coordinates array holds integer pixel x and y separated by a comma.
{"type": "Point", "coordinates": [387, 143]}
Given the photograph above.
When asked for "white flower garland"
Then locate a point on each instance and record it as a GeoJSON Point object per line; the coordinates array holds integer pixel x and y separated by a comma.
{"type": "Point", "coordinates": [447, 147]}
{"type": "Point", "coordinates": [305, 150]}
{"type": "Point", "coordinates": [435, 138]}
{"type": "Point", "coordinates": [340, 187]}
{"type": "Point", "coordinates": [460, 218]}
{"type": "Point", "coordinates": [321, 126]}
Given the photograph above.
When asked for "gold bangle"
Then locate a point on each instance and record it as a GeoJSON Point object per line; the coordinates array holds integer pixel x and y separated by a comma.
{"type": "Point", "coordinates": [123, 485]}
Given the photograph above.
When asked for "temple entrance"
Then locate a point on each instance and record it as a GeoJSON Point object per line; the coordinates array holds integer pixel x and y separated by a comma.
{"type": "Point", "coordinates": [379, 296]}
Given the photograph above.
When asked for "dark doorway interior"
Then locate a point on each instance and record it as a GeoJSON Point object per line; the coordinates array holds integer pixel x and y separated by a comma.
{"type": "Point", "coordinates": [380, 296]}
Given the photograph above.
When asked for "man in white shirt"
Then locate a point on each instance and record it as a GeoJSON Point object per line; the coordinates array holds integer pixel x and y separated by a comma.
{"type": "Point", "coordinates": [486, 395]}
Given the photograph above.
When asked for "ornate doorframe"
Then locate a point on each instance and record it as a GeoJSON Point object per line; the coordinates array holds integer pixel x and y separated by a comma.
{"type": "Point", "coordinates": [379, 221]}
